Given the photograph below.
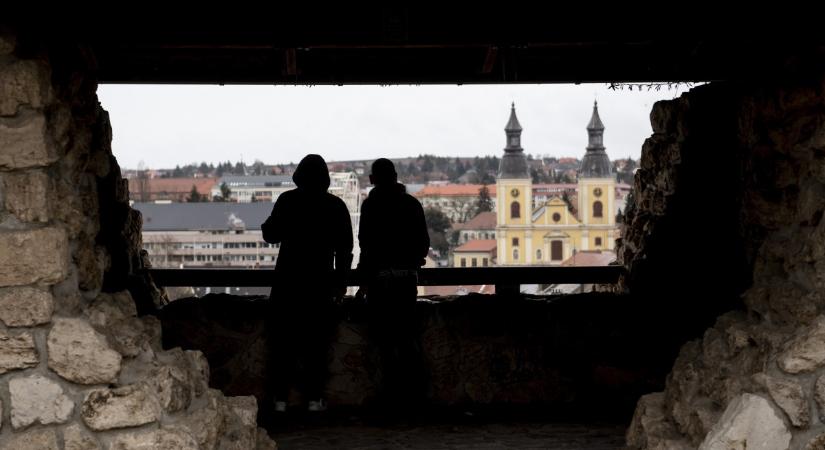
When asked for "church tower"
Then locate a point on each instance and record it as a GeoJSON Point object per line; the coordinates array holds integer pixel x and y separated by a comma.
{"type": "Point", "coordinates": [514, 199]}
{"type": "Point", "coordinates": [596, 190]}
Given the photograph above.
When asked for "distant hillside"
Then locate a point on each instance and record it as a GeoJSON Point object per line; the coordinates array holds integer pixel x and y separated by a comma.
{"type": "Point", "coordinates": [418, 169]}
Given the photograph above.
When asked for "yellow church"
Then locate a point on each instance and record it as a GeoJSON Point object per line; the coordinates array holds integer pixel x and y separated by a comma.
{"type": "Point", "coordinates": [549, 233]}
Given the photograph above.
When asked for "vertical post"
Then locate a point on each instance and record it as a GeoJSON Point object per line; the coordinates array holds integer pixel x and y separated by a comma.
{"type": "Point", "coordinates": [508, 290]}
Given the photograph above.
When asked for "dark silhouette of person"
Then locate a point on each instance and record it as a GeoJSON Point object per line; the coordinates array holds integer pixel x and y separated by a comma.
{"type": "Point", "coordinates": [314, 231]}
{"type": "Point", "coordinates": [394, 244]}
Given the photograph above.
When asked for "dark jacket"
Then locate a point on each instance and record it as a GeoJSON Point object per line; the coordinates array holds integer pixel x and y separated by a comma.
{"type": "Point", "coordinates": [393, 232]}
{"type": "Point", "coordinates": [313, 228]}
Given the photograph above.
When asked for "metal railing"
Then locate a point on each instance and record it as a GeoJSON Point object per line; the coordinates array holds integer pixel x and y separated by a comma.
{"type": "Point", "coordinates": [506, 279]}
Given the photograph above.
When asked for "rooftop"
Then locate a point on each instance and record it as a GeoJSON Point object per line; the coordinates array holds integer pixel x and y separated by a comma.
{"type": "Point", "coordinates": [210, 216]}
{"type": "Point", "coordinates": [477, 245]}
{"type": "Point", "coordinates": [457, 190]}
{"type": "Point", "coordinates": [482, 221]}
{"type": "Point", "coordinates": [590, 258]}
{"type": "Point", "coordinates": [170, 185]}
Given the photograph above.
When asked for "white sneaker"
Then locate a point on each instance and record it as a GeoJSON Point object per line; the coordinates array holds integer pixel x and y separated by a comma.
{"type": "Point", "coordinates": [280, 407]}
{"type": "Point", "coordinates": [317, 406]}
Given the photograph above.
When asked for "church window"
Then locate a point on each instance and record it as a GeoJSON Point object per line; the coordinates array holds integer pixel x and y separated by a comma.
{"type": "Point", "coordinates": [515, 242]}
{"type": "Point", "coordinates": [515, 254]}
{"type": "Point", "coordinates": [597, 209]}
{"type": "Point", "coordinates": [515, 210]}
{"type": "Point", "coordinates": [556, 217]}
{"type": "Point", "coordinates": [538, 254]}
{"type": "Point", "coordinates": [598, 242]}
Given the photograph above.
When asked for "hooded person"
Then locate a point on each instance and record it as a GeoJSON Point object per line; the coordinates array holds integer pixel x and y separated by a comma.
{"type": "Point", "coordinates": [314, 231]}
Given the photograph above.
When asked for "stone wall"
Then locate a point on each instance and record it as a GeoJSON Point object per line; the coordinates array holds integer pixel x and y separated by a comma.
{"type": "Point", "coordinates": [583, 355]}
{"type": "Point", "coordinates": [755, 379]}
{"type": "Point", "coordinates": [79, 368]}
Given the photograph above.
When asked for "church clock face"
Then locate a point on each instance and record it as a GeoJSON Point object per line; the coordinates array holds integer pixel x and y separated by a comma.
{"type": "Point", "coordinates": [597, 192]}
{"type": "Point", "coordinates": [514, 192]}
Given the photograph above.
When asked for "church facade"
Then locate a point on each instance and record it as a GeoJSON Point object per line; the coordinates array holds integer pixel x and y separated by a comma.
{"type": "Point", "coordinates": [554, 230]}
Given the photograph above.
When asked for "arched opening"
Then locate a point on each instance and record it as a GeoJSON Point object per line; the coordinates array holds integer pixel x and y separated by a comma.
{"type": "Point", "coordinates": [597, 209]}
{"type": "Point", "coordinates": [515, 210]}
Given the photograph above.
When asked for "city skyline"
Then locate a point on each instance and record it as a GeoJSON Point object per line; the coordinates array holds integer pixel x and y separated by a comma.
{"type": "Point", "coordinates": [162, 126]}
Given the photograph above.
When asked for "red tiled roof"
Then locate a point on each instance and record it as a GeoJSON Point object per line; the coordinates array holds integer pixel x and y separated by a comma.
{"type": "Point", "coordinates": [175, 185]}
{"type": "Point", "coordinates": [482, 221]}
{"type": "Point", "coordinates": [478, 245]}
{"type": "Point", "coordinates": [457, 190]}
{"type": "Point", "coordinates": [584, 258]}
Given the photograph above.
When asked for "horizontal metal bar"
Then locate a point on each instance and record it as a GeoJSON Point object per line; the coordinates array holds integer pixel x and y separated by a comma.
{"type": "Point", "coordinates": [426, 277]}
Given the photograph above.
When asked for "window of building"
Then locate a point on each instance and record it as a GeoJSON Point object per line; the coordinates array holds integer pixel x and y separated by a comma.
{"type": "Point", "coordinates": [556, 251]}
{"type": "Point", "coordinates": [515, 254]}
{"type": "Point", "coordinates": [597, 209]}
{"type": "Point", "coordinates": [485, 262]}
{"type": "Point", "coordinates": [515, 210]}
{"type": "Point", "coordinates": [556, 217]}
{"type": "Point", "coordinates": [475, 262]}
{"type": "Point", "coordinates": [515, 242]}
{"type": "Point", "coordinates": [598, 242]}
{"type": "Point", "coordinates": [463, 262]}
{"type": "Point", "coordinates": [538, 254]}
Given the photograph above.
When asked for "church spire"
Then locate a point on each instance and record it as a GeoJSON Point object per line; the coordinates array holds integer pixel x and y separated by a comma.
{"type": "Point", "coordinates": [595, 163]}
{"type": "Point", "coordinates": [595, 130]}
{"type": "Point", "coordinates": [514, 162]}
{"type": "Point", "coordinates": [513, 132]}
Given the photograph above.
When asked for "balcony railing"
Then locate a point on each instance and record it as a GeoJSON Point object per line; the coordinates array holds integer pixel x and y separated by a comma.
{"type": "Point", "coordinates": [506, 279]}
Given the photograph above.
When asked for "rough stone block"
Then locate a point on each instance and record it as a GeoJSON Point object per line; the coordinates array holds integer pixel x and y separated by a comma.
{"type": "Point", "coordinates": [23, 144]}
{"type": "Point", "coordinates": [807, 351]}
{"type": "Point", "coordinates": [37, 439]}
{"type": "Point", "coordinates": [25, 306]}
{"type": "Point", "coordinates": [80, 354]}
{"type": "Point", "coordinates": [163, 439]}
{"type": "Point", "coordinates": [650, 428]}
{"type": "Point", "coordinates": [110, 308]}
{"type": "Point", "coordinates": [749, 421]}
{"type": "Point", "coordinates": [172, 387]}
{"type": "Point", "coordinates": [17, 352]}
{"type": "Point", "coordinates": [128, 406]}
{"type": "Point", "coordinates": [200, 371]}
{"type": "Point", "coordinates": [75, 438]}
{"type": "Point", "coordinates": [208, 424]}
{"type": "Point", "coordinates": [27, 195]}
{"type": "Point", "coordinates": [241, 423]}
{"type": "Point", "coordinates": [265, 442]}
{"type": "Point", "coordinates": [37, 399]}
{"type": "Point", "coordinates": [24, 83]}
{"type": "Point", "coordinates": [788, 394]}
{"type": "Point", "coordinates": [33, 256]}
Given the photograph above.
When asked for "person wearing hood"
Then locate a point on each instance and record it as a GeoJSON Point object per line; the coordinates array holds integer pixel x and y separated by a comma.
{"type": "Point", "coordinates": [314, 231]}
{"type": "Point", "coordinates": [394, 244]}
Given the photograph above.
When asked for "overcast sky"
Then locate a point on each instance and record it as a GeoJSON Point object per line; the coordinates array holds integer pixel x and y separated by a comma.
{"type": "Point", "coordinates": [167, 125]}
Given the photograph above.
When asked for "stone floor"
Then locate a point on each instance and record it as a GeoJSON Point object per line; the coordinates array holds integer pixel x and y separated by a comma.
{"type": "Point", "coordinates": [462, 436]}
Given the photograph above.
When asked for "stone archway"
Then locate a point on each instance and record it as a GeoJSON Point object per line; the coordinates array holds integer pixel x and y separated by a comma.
{"type": "Point", "coordinates": [78, 365]}
{"type": "Point", "coordinates": [737, 170]}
